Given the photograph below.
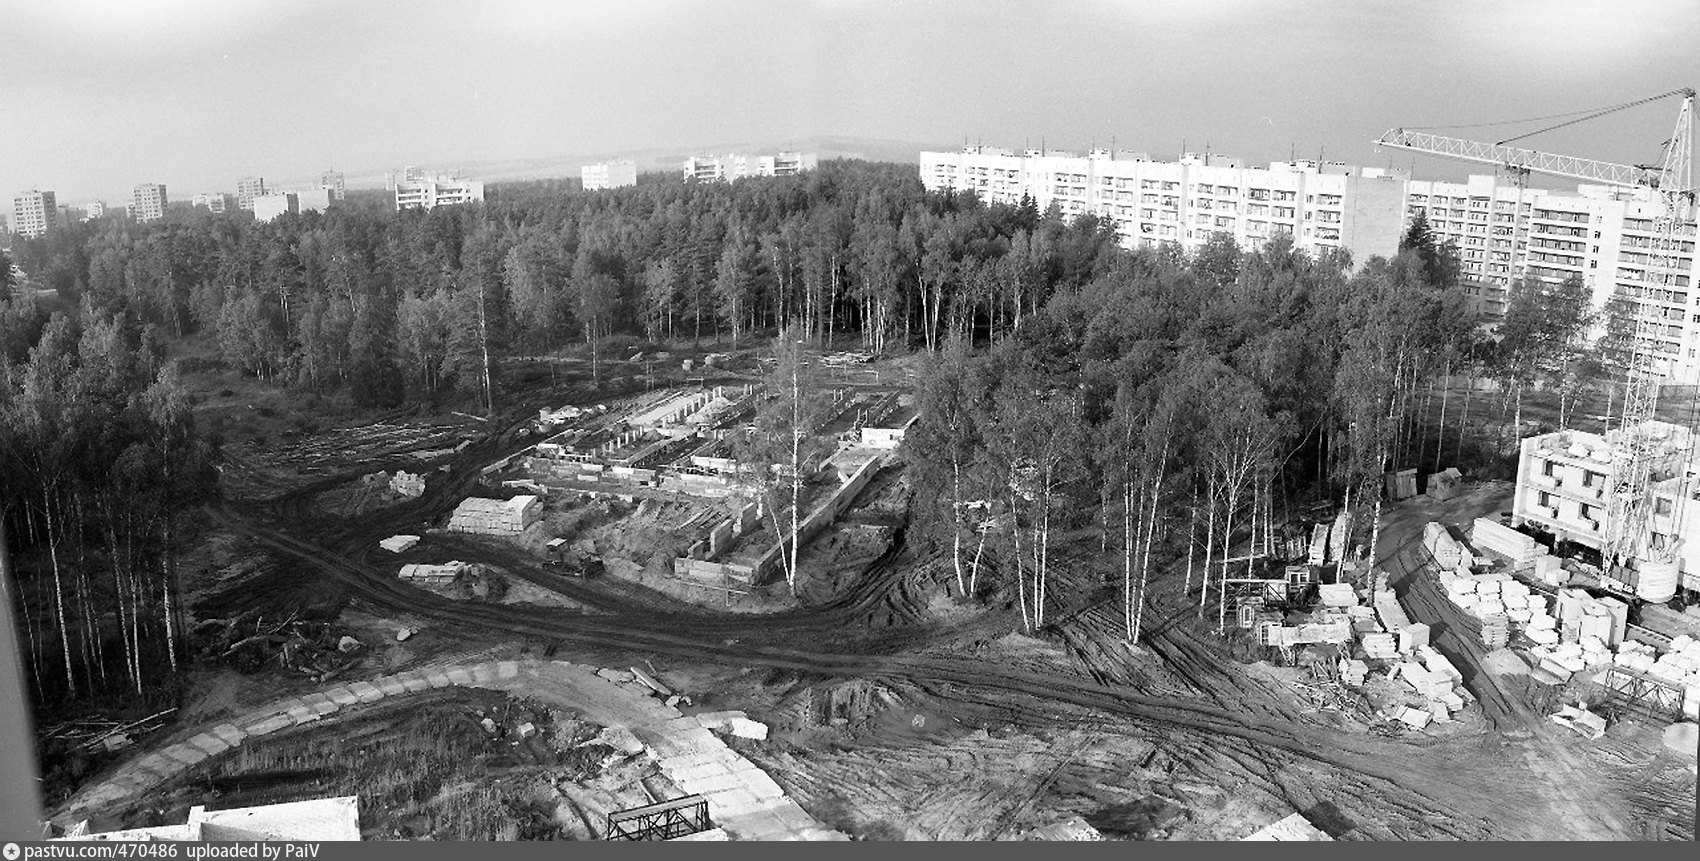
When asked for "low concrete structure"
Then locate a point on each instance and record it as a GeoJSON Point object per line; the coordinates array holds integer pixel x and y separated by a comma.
{"type": "Point", "coordinates": [1294, 827]}
{"type": "Point", "coordinates": [433, 575]}
{"type": "Point", "coordinates": [399, 543]}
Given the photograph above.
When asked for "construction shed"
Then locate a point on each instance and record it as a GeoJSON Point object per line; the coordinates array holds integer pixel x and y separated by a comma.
{"type": "Point", "coordinates": [495, 516]}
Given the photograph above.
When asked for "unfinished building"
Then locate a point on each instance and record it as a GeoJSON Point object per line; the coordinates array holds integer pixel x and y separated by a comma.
{"type": "Point", "coordinates": [681, 453]}
{"type": "Point", "coordinates": [1569, 485]}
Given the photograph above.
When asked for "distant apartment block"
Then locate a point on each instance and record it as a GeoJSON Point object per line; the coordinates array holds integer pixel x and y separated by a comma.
{"type": "Point", "coordinates": [147, 202]}
{"type": "Point", "coordinates": [411, 173]}
{"type": "Point", "coordinates": [35, 213]}
{"type": "Point", "coordinates": [430, 192]}
{"type": "Point", "coordinates": [726, 168]}
{"type": "Point", "coordinates": [333, 181]}
{"type": "Point", "coordinates": [215, 203]}
{"type": "Point", "coordinates": [5, 226]}
{"type": "Point", "coordinates": [608, 174]}
{"type": "Point", "coordinates": [94, 209]}
{"type": "Point", "coordinates": [1321, 206]}
{"type": "Point", "coordinates": [248, 188]}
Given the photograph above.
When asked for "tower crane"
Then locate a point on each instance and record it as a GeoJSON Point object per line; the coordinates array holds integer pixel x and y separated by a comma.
{"type": "Point", "coordinates": [1629, 542]}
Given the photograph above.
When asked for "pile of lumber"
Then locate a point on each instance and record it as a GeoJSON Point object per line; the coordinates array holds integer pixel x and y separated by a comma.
{"type": "Point", "coordinates": [1496, 630]}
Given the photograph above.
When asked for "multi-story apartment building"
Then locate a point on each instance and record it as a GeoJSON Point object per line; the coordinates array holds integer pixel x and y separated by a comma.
{"type": "Point", "coordinates": [35, 212]}
{"type": "Point", "coordinates": [1319, 205]}
{"type": "Point", "coordinates": [1604, 236]}
{"type": "Point", "coordinates": [215, 203]}
{"type": "Point", "coordinates": [335, 182]}
{"type": "Point", "coordinates": [94, 209]}
{"type": "Point", "coordinates": [429, 192]}
{"type": "Point", "coordinates": [248, 188]}
{"type": "Point", "coordinates": [1566, 482]}
{"type": "Point", "coordinates": [725, 168]}
{"type": "Point", "coordinates": [147, 202]}
{"type": "Point", "coordinates": [608, 174]}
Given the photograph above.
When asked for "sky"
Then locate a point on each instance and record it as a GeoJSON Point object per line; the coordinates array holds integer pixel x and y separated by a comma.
{"type": "Point", "coordinates": [98, 95]}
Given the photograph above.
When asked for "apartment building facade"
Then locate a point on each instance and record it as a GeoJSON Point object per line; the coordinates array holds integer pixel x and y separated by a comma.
{"type": "Point", "coordinates": [335, 183]}
{"type": "Point", "coordinates": [94, 209]}
{"type": "Point", "coordinates": [608, 174]}
{"type": "Point", "coordinates": [147, 202]}
{"type": "Point", "coordinates": [726, 168]}
{"type": "Point", "coordinates": [429, 192]}
{"type": "Point", "coordinates": [248, 188]}
{"type": "Point", "coordinates": [1607, 237]}
{"type": "Point", "coordinates": [1320, 206]}
{"type": "Point", "coordinates": [34, 213]}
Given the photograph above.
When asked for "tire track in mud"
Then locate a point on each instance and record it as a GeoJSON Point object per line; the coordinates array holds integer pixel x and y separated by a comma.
{"type": "Point", "coordinates": [1366, 758]}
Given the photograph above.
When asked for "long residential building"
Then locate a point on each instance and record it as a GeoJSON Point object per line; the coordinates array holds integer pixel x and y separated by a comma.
{"type": "Point", "coordinates": [429, 192]}
{"type": "Point", "coordinates": [1319, 205]}
{"type": "Point", "coordinates": [725, 168]}
{"type": "Point", "coordinates": [35, 213]}
{"type": "Point", "coordinates": [1605, 236]}
{"type": "Point", "coordinates": [1503, 232]}
{"type": "Point", "coordinates": [147, 202]}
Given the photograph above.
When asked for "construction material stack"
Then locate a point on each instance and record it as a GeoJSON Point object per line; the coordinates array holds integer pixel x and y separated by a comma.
{"type": "Point", "coordinates": [1447, 553]}
{"type": "Point", "coordinates": [1496, 630]}
{"type": "Point", "coordinates": [1491, 535]}
{"type": "Point", "coordinates": [495, 516]}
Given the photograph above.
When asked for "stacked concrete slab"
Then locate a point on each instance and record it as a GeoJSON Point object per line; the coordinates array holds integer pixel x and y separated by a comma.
{"type": "Point", "coordinates": [1447, 552]}
{"type": "Point", "coordinates": [495, 516]}
{"type": "Point", "coordinates": [1489, 534]}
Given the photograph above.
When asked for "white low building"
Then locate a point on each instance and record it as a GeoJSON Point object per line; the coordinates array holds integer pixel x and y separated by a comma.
{"type": "Point", "coordinates": [608, 174]}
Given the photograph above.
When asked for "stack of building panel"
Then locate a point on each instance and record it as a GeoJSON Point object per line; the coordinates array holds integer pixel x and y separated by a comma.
{"type": "Point", "coordinates": [1496, 630]}
{"type": "Point", "coordinates": [1380, 647]}
{"type": "Point", "coordinates": [1489, 534]}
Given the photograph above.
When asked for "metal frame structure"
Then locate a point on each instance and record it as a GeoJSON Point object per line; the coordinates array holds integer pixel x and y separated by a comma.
{"type": "Point", "coordinates": [1638, 693]}
{"type": "Point", "coordinates": [666, 820]}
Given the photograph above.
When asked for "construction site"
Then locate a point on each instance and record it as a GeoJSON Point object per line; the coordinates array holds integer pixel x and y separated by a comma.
{"type": "Point", "coordinates": [579, 618]}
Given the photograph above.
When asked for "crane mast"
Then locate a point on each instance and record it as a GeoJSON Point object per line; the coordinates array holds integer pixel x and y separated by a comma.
{"type": "Point", "coordinates": [1628, 534]}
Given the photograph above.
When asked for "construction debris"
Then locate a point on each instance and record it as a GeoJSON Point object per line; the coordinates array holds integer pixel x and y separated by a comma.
{"type": "Point", "coordinates": [1591, 726]}
{"type": "Point", "coordinates": [408, 484]}
{"type": "Point", "coordinates": [650, 682]}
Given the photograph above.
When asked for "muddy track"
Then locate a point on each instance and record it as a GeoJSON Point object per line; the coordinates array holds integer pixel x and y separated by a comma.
{"type": "Point", "coordinates": [1378, 759]}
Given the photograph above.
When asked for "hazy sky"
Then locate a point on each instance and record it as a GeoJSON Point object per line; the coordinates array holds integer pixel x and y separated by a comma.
{"type": "Point", "coordinates": [97, 96]}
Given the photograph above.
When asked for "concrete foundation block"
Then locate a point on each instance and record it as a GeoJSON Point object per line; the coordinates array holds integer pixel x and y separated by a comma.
{"type": "Point", "coordinates": [342, 696]}
{"type": "Point", "coordinates": [229, 734]}
{"type": "Point", "coordinates": [507, 669]}
{"type": "Point", "coordinates": [366, 691]}
{"type": "Point", "coordinates": [460, 676]}
{"type": "Point", "coordinates": [392, 686]}
{"type": "Point", "coordinates": [438, 678]}
{"type": "Point", "coordinates": [270, 725]}
{"type": "Point", "coordinates": [484, 674]}
{"type": "Point", "coordinates": [210, 744]}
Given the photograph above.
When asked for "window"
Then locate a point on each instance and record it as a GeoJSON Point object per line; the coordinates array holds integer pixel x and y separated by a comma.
{"type": "Point", "coordinates": [1662, 507]}
{"type": "Point", "coordinates": [1545, 499]}
{"type": "Point", "coordinates": [1585, 510]}
{"type": "Point", "coordinates": [1546, 468]}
